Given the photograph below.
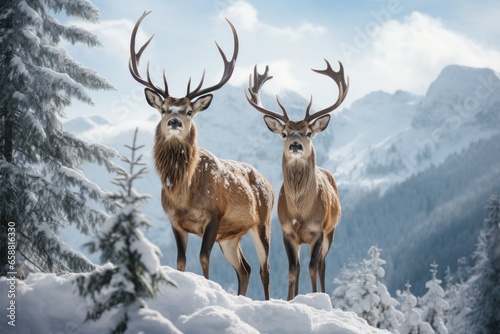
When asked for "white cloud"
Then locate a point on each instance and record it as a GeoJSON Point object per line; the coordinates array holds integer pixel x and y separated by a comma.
{"type": "Point", "coordinates": [408, 55]}
{"type": "Point", "coordinates": [114, 35]}
{"type": "Point", "coordinates": [388, 55]}
{"type": "Point", "coordinates": [385, 54]}
{"type": "Point", "coordinates": [247, 17]}
{"type": "Point", "coordinates": [280, 47]}
{"type": "Point", "coordinates": [280, 70]}
{"type": "Point", "coordinates": [243, 13]}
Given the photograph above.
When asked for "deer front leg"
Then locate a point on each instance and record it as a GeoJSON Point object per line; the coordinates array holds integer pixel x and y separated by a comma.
{"type": "Point", "coordinates": [292, 251]}
{"type": "Point", "coordinates": [181, 239]}
{"type": "Point", "coordinates": [322, 265]}
{"type": "Point", "coordinates": [315, 260]}
{"type": "Point", "coordinates": [207, 243]}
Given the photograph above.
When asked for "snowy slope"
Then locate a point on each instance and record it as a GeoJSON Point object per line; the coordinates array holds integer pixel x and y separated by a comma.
{"type": "Point", "coordinates": [46, 303]}
{"type": "Point", "coordinates": [364, 151]}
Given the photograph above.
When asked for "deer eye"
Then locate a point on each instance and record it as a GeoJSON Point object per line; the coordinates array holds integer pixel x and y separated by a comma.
{"type": "Point", "coordinates": [189, 113]}
{"type": "Point", "coordinates": [308, 134]}
{"type": "Point", "coordinates": [283, 135]}
{"type": "Point", "coordinates": [163, 110]}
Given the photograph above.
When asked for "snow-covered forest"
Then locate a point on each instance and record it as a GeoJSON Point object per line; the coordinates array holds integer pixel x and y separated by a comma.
{"type": "Point", "coordinates": [85, 246]}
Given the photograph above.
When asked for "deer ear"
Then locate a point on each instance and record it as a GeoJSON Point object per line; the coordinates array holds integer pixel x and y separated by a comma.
{"type": "Point", "coordinates": [202, 103]}
{"type": "Point", "coordinates": [274, 124]}
{"type": "Point", "coordinates": [154, 99]}
{"type": "Point", "coordinates": [320, 124]}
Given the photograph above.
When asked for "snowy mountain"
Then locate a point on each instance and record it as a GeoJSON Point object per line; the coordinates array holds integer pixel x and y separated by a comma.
{"type": "Point", "coordinates": [378, 142]}
{"type": "Point", "coordinates": [195, 305]}
{"type": "Point", "coordinates": [368, 140]}
{"type": "Point", "coordinates": [435, 215]}
{"type": "Point", "coordinates": [470, 93]}
{"type": "Point", "coordinates": [382, 139]}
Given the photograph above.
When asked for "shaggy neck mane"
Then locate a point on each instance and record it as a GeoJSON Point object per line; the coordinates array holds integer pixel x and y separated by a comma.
{"type": "Point", "coordinates": [175, 160]}
{"type": "Point", "coordinates": [299, 177]}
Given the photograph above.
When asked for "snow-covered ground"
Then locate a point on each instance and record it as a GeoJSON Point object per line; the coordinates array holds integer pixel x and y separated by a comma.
{"type": "Point", "coordinates": [46, 303]}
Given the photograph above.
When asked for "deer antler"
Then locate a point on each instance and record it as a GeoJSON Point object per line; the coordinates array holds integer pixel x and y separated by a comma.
{"type": "Point", "coordinates": [133, 64]}
{"type": "Point", "coordinates": [226, 75]}
{"type": "Point", "coordinates": [254, 98]}
{"type": "Point", "coordinates": [340, 80]}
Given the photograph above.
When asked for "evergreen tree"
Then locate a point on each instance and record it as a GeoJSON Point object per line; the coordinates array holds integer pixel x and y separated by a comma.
{"type": "Point", "coordinates": [42, 187]}
{"type": "Point", "coordinates": [484, 284]}
{"type": "Point", "coordinates": [349, 275]}
{"type": "Point", "coordinates": [413, 323]}
{"type": "Point", "coordinates": [132, 272]}
{"type": "Point", "coordinates": [368, 296]}
{"type": "Point", "coordinates": [464, 270]}
{"type": "Point", "coordinates": [458, 300]}
{"type": "Point", "coordinates": [433, 303]}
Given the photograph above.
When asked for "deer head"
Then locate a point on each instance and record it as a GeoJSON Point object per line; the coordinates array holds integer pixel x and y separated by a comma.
{"type": "Point", "coordinates": [297, 136]}
{"type": "Point", "coordinates": [177, 113]}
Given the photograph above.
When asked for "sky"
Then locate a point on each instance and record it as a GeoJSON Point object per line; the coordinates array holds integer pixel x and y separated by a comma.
{"type": "Point", "coordinates": [384, 45]}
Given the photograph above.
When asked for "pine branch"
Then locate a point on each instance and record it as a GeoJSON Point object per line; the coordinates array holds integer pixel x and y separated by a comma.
{"type": "Point", "coordinates": [39, 79]}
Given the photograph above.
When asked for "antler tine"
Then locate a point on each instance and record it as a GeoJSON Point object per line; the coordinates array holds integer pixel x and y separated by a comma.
{"type": "Point", "coordinates": [197, 87]}
{"type": "Point", "coordinates": [165, 83]}
{"type": "Point", "coordinates": [343, 86]}
{"type": "Point", "coordinates": [226, 74]}
{"type": "Point", "coordinates": [254, 90]}
{"type": "Point", "coordinates": [134, 59]}
{"type": "Point", "coordinates": [282, 108]}
{"type": "Point", "coordinates": [309, 106]}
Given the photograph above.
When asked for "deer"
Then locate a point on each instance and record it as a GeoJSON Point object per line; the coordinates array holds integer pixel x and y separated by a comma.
{"type": "Point", "coordinates": [308, 203]}
{"type": "Point", "coordinates": [215, 199]}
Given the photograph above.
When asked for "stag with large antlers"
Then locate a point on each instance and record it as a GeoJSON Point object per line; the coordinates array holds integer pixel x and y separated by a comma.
{"type": "Point", "coordinates": [218, 200]}
{"type": "Point", "coordinates": [308, 203]}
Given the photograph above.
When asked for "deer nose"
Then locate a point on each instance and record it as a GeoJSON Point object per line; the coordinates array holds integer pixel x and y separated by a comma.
{"type": "Point", "coordinates": [174, 123]}
{"type": "Point", "coordinates": [295, 146]}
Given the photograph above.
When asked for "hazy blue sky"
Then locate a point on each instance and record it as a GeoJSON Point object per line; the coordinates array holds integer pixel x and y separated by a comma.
{"type": "Point", "coordinates": [384, 45]}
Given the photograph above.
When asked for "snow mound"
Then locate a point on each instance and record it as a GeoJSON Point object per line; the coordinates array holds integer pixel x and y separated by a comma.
{"type": "Point", "coordinates": [46, 303]}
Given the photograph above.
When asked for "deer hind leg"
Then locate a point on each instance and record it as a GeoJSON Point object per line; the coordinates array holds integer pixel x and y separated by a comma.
{"type": "Point", "coordinates": [232, 251]}
{"type": "Point", "coordinates": [327, 243]}
{"type": "Point", "coordinates": [292, 248]}
{"type": "Point", "coordinates": [181, 239]}
{"type": "Point", "coordinates": [316, 254]}
{"type": "Point", "coordinates": [261, 239]}
{"type": "Point", "coordinates": [207, 243]}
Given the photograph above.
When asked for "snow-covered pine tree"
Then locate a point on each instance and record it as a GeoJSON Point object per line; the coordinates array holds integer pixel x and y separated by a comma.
{"type": "Point", "coordinates": [349, 275]}
{"type": "Point", "coordinates": [484, 284]}
{"type": "Point", "coordinates": [413, 323]}
{"type": "Point", "coordinates": [42, 187]}
{"type": "Point", "coordinates": [433, 303]}
{"type": "Point", "coordinates": [369, 296]}
{"type": "Point", "coordinates": [132, 272]}
{"type": "Point", "coordinates": [455, 316]}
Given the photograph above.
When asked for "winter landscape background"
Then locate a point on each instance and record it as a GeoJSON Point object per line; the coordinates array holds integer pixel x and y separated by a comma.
{"type": "Point", "coordinates": [407, 167]}
{"type": "Point", "coordinates": [414, 151]}
{"type": "Point", "coordinates": [414, 174]}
